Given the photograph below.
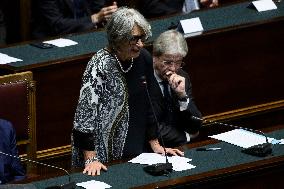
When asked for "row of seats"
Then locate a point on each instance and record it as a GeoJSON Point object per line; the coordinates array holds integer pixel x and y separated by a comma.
{"type": "Point", "coordinates": [20, 17]}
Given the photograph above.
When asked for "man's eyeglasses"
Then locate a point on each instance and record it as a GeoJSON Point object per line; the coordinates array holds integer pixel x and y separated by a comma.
{"type": "Point", "coordinates": [135, 38]}
{"type": "Point", "coordinates": [179, 63]}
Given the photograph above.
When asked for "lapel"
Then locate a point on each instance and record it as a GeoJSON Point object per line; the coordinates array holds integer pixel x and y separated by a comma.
{"type": "Point", "coordinates": [158, 92]}
{"type": "Point", "coordinates": [158, 98]}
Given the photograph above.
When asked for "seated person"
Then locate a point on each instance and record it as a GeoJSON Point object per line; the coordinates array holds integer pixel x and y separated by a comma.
{"type": "Point", "coordinates": [156, 8]}
{"type": "Point", "coordinates": [171, 95]}
{"type": "Point", "coordinates": [10, 167]}
{"type": "Point", "coordinates": [56, 17]}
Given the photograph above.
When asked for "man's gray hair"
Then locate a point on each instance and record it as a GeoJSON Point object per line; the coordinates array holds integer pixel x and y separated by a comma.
{"type": "Point", "coordinates": [121, 23]}
{"type": "Point", "coordinates": [170, 42]}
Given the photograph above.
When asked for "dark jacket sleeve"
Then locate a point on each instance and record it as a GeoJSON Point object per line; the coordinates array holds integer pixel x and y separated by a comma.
{"type": "Point", "coordinates": [58, 16]}
{"type": "Point", "coordinates": [192, 125]}
{"type": "Point", "coordinates": [84, 141]}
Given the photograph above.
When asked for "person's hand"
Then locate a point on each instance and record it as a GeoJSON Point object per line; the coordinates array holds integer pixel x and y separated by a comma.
{"type": "Point", "coordinates": [94, 168]}
{"type": "Point", "coordinates": [209, 3]}
{"type": "Point", "coordinates": [177, 83]}
{"type": "Point", "coordinates": [104, 13]}
{"type": "Point", "coordinates": [157, 148]}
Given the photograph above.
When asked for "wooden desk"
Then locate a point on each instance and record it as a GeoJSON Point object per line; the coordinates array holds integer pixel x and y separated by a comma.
{"type": "Point", "coordinates": [264, 174]}
{"type": "Point", "coordinates": [261, 174]}
{"type": "Point", "coordinates": [226, 168]}
{"type": "Point", "coordinates": [235, 67]}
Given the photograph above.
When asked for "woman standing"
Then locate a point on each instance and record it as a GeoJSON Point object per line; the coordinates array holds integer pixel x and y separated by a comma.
{"type": "Point", "coordinates": [110, 119]}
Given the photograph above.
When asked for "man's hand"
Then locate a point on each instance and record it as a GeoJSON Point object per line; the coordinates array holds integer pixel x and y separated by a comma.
{"type": "Point", "coordinates": [177, 83]}
{"type": "Point", "coordinates": [157, 148]}
{"type": "Point", "coordinates": [209, 3]}
{"type": "Point", "coordinates": [104, 13]}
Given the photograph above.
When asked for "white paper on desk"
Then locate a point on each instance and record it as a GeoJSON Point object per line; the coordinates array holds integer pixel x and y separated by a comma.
{"type": "Point", "coordinates": [281, 141]}
{"type": "Point", "coordinates": [242, 138]}
{"type": "Point", "coordinates": [192, 25]}
{"type": "Point", "coordinates": [61, 42]}
{"type": "Point", "coordinates": [93, 184]}
{"type": "Point", "coordinates": [179, 163]}
{"type": "Point", "coordinates": [264, 5]}
{"type": "Point", "coordinates": [5, 59]}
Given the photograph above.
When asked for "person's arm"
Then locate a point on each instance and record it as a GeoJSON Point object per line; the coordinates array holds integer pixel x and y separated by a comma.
{"type": "Point", "coordinates": [157, 148]}
{"type": "Point", "coordinates": [104, 14]}
{"type": "Point", "coordinates": [85, 142]}
{"type": "Point", "coordinates": [191, 109]}
{"type": "Point", "coordinates": [54, 14]}
{"type": "Point", "coordinates": [86, 135]}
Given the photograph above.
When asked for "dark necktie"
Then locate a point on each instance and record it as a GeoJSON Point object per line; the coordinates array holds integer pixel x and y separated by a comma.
{"type": "Point", "coordinates": [168, 102]}
{"type": "Point", "coordinates": [167, 95]}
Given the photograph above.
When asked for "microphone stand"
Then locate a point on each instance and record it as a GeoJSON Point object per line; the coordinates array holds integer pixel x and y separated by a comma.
{"type": "Point", "coordinates": [159, 168]}
{"type": "Point", "coordinates": [69, 185]}
{"type": "Point", "coordinates": [260, 150]}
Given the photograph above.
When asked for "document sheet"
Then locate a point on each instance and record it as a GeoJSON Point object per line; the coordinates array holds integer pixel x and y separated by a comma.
{"type": "Point", "coordinates": [179, 163]}
{"type": "Point", "coordinates": [242, 138]}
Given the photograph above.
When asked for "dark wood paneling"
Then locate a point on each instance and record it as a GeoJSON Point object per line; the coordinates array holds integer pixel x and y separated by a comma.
{"type": "Point", "coordinates": [237, 68]}
{"type": "Point", "coordinates": [58, 89]}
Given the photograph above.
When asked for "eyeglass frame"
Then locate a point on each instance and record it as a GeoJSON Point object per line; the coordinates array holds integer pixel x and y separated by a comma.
{"type": "Point", "coordinates": [135, 38]}
{"type": "Point", "coordinates": [179, 63]}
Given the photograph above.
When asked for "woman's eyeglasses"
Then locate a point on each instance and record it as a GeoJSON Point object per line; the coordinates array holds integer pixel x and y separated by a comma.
{"type": "Point", "coordinates": [135, 38]}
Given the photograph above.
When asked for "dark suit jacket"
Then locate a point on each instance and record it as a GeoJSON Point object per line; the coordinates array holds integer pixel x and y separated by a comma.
{"type": "Point", "coordinates": [173, 135]}
{"type": "Point", "coordinates": [55, 17]}
{"type": "Point", "coordinates": [155, 8]}
{"type": "Point", "coordinates": [10, 168]}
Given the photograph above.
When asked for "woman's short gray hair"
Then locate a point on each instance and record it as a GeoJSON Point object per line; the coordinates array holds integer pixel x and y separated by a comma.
{"type": "Point", "coordinates": [170, 42]}
{"type": "Point", "coordinates": [121, 23]}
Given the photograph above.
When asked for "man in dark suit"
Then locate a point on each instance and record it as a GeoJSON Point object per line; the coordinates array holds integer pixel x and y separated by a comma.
{"type": "Point", "coordinates": [56, 17]}
{"type": "Point", "coordinates": [171, 95]}
{"type": "Point", "coordinates": [10, 168]}
{"type": "Point", "coordinates": [156, 8]}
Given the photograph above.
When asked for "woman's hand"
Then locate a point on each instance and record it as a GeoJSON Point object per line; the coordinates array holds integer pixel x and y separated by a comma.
{"type": "Point", "coordinates": [92, 165]}
{"type": "Point", "coordinates": [94, 168]}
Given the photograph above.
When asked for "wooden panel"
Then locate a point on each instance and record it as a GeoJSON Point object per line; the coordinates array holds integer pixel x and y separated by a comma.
{"type": "Point", "coordinates": [57, 96]}
{"type": "Point", "coordinates": [237, 68]}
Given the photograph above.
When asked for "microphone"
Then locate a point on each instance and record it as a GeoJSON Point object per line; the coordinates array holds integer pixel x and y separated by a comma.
{"type": "Point", "coordinates": [159, 168]}
{"type": "Point", "coordinates": [69, 185]}
{"type": "Point", "coordinates": [260, 150]}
